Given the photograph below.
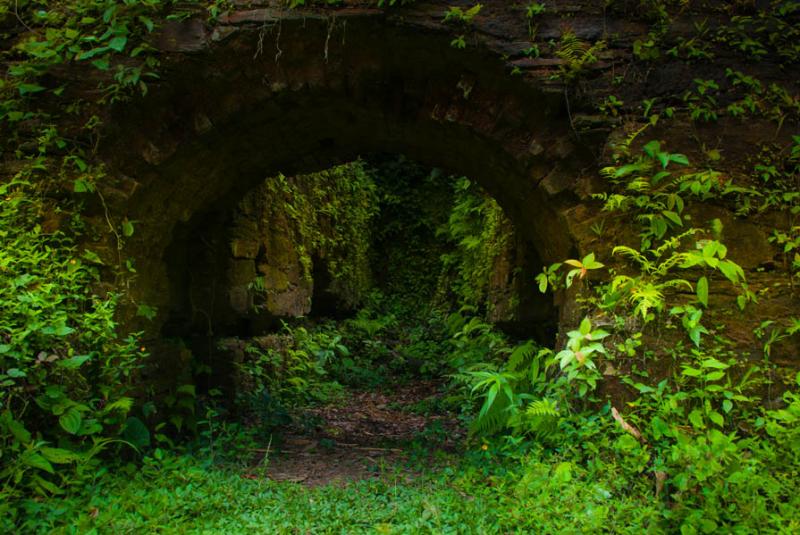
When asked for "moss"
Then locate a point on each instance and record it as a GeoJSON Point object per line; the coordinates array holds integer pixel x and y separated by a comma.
{"type": "Point", "coordinates": [329, 218]}
{"type": "Point", "coordinates": [480, 233]}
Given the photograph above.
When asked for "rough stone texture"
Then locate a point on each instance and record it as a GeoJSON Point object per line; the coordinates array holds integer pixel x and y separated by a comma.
{"type": "Point", "coordinates": [513, 303]}
{"type": "Point", "coordinates": [250, 262]}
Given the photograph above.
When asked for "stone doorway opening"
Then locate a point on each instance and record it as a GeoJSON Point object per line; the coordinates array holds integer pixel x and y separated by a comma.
{"type": "Point", "coordinates": [317, 244]}
{"type": "Point", "coordinates": [358, 268]}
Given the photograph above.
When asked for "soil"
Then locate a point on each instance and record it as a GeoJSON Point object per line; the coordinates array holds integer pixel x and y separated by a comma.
{"type": "Point", "coordinates": [363, 435]}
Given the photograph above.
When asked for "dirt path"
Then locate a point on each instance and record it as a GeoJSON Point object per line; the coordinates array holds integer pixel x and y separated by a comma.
{"type": "Point", "coordinates": [362, 435]}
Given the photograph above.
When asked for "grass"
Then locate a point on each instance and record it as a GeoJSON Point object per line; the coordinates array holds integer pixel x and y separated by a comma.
{"type": "Point", "coordinates": [181, 494]}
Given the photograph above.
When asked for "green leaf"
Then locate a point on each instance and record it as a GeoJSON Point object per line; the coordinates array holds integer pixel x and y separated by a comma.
{"type": "Point", "coordinates": [702, 291]}
{"type": "Point", "coordinates": [660, 427]}
{"type": "Point", "coordinates": [59, 455]}
{"type": "Point", "coordinates": [652, 148]}
{"type": "Point", "coordinates": [715, 376]}
{"type": "Point", "coordinates": [541, 278]}
{"type": "Point", "coordinates": [88, 54]}
{"type": "Point", "coordinates": [123, 404]}
{"type": "Point", "coordinates": [672, 216]}
{"type": "Point", "coordinates": [186, 389]}
{"type": "Point", "coordinates": [90, 426]}
{"type": "Point", "coordinates": [563, 472]}
{"type": "Point", "coordinates": [127, 228]}
{"type": "Point", "coordinates": [73, 362]}
{"type": "Point", "coordinates": [741, 301]}
{"type": "Point", "coordinates": [71, 420]}
{"type": "Point", "coordinates": [586, 326]}
{"type": "Point", "coordinates": [626, 170]}
{"type": "Point", "coordinates": [34, 460]}
{"type": "Point", "coordinates": [58, 330]}
{"type": "Point", "coordinates": [136, 433]}
{"type": "Point", "coordinates": [82, 186]}
{"type": "Point", "coordinates": [691, 372]}
{"type": "Point", "coordinates": [717, 418]}
{"type": "Point", "coordinates": [148, 23]}
{"type": "Point", "coordinates": [102, 64]}
{"type": "Point", "coordinates": [146, 311]}
{"type": "Point", "coordinates": [570, 277]}
{"type": "Point", "coordinates": [714, 363]}
{"type": "Point", "coordinates": [590, 263]}
{"type": "Point", "coordinates": [92, 257]}
{"type": "Point", "coordinates": [679, 159]}
{"type": "Point", "coordinates": [118, 43]}
{"type": "Point", "coordinates": [25, 89]}
{"type": "Point", "coordinates": [47, 486]}
{"type": "Point", "coordinates": [17, 429]}
{"type": "Point", "coordinates": [727, 405]}
{"type": "Point", "coordinates": [696, 418]}
{"type": "Point", "coordinates": [731, 270]}
{"type": "Point", "coordinates": [694, 335]}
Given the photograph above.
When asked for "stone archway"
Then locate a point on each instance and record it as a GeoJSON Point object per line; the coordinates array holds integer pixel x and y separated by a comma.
{"type": "Point", "coordinates": [272, 92]}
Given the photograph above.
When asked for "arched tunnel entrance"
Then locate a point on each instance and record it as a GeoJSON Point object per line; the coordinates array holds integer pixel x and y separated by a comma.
{"type": "Point", "coordinates": [381, 239]}
{"type": "Point", "coordinates": [233, 111]}
{"type": "Point", "coordinates": [302, 97]}
{"type": "Point", "coordinates": [316, 244]}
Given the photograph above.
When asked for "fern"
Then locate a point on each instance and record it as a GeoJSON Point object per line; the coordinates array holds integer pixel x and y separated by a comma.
{"type": "Point", "coordinates": [494, 419]}
{"type": "Point", "coordinates": [521, 356]}
{"type": "Point", "coordinates": [540, 419]}
{"type": "Point", "coordinates": [577, 54]}
{"type": "Point", "coordinates": [542, 408]}
{"type": "Point", "coordinates": [499, 401]}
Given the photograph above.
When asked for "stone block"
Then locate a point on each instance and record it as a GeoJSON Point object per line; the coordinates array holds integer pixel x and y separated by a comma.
{"type": "Point", "coordinates": [242, 248]}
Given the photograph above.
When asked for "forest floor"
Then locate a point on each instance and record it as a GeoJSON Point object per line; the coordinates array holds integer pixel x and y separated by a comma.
{"type": "Point", "coordinates": [358, 436]}
{"type": "Point", "coordinates": [385, 459]}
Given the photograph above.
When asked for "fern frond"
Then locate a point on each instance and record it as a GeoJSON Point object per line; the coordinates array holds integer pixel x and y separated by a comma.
{"type": "Point", "coordinates": [521, 356]}
{"type": "Point", "coordinates": [540, 418]}
{"type": "Point", "coordinates": [493, 417]}
{"type": "Point", "coordinates": [669, 263]}
{"type": "Point", "coordinates": [675, 283]}
{"type": "Point", "coordinates": [673, 242]}
{"type": "Point", "coordinates": [631, 253]}
{"type": "Point", "coordinates": [542, 407]}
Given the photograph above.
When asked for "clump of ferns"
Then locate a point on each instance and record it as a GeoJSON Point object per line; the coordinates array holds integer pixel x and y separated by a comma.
{"type": "Point", "coordinates": [577, 55]}
{"type": "Point", "coordinates": [513, 395]}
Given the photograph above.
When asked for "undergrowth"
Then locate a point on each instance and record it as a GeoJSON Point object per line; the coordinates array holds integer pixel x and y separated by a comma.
{"type": "Point", "coordinates": [645, 416]}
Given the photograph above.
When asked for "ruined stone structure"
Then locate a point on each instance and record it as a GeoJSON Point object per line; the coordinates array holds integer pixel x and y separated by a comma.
{"type": "Point", "coordinates": [266, 90]}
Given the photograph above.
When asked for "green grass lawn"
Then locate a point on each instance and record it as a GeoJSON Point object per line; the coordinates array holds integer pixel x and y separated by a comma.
{"type": "Point", "coordinates": [182, 495]}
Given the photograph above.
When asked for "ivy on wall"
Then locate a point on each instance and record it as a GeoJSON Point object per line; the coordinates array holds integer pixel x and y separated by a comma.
{"type": "Point", "coordinates": [331, 214]}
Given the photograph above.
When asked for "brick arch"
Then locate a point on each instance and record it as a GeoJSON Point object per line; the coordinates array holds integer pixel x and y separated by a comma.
{"type": "Point", "coordinates": [267, 92]}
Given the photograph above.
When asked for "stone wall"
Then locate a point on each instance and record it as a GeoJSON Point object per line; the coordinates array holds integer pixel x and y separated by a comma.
{"type": "Point", "coordinates": [264, 89]}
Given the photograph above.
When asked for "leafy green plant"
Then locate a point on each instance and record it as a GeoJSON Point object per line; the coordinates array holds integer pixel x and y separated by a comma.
{"type": "Point", "coordinates": [532, 12]}
{"type": "Point", "coordinates": [508, 393]}
{"type": "Point", "coordinates": [534, 9]}
{"type": "Point", "coordinates": [550, 277]}
{"type": "Point", "coordinates": [479, 232]}
{"type": "Point", "coordinates": [329, 211]}
{"type": "Point", "coordinates": [611, 106]}
{"type": "Point", "coordinates": [288, 369]}
{"type": "Point", "coordinates": [577, 360]}
{"type": "Point", "coordinates": [577, 55]}
{"type": "Point", "coordinates": [702, 101]}
{"type": "Point", "coordinates": [463, 16]}
{"type": "Point", "coordinates": [66, 373]}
